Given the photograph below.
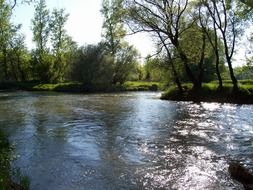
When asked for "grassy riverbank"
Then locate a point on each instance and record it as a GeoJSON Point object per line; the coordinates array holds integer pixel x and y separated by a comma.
{"type": "Point", "coordinates": [209, 93]}
{"type": "Point", "coordinates": [77, 87]}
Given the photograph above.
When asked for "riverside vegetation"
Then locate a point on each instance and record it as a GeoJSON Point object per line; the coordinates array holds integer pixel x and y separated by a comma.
{"type": "Point", "coordinates": [196, 42]}
{"type": "Point", "coordinates": [191, 53]}
{"type": "Point", "coordinates": [10, 179]}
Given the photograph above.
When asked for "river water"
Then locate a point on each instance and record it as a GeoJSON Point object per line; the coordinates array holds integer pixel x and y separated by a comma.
{"type": "Point", "coordinates": [125, 141]}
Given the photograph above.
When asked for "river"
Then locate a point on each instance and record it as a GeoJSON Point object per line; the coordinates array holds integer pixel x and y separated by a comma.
{"type": "Point", "coordinates": [125, 141]}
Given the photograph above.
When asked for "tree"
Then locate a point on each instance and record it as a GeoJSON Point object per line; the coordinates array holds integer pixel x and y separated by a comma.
{"type": "Point", "coordinates": [92, 66]}
{"type": "Point", "coordinates": [5, 36]}
{"type": "Point", "coordinates": [114, 31]}
{"type": "Point", "coordinates": [223, 14]}
{"type": "Point", "coordinates": [114, 34]}
{"type": "Point", "coordinates": [153, 69]}
{"type": "Point", "coordinates": [167, 20]}
{"type": "Point", "coordinates": [19, 57]}
{"type": "Point", "coordinates": [14, 3]}
{"type": "Point", "coordinates": [209, 27]}
{"type": "Point", "coordinates": [60, 43]}
{"type": "Point", "coordinates": [125, 63]}
{"type": "Point", "coordinates": [248, 3]}
{"type": "Point", "coordinates": [41, 30]}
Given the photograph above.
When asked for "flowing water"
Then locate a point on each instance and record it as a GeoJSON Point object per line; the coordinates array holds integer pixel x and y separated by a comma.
{"type": "Point", "coordinates": [125, 141]}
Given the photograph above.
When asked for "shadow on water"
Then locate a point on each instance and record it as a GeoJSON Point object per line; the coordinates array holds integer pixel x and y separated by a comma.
{"type": "Point", "coordinates": [125, 141]}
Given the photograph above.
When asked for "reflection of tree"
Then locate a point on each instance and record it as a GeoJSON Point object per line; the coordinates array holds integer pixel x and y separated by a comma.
{"type": "Point", "coordinates": [112, 140]}
{"type": "Point", "coordinates": [48, 114]}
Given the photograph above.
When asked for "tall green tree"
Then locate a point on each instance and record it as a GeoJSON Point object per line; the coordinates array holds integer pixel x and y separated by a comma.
{"type": "Point", "coordinates": [92, 67]}
{"type": "Point", "coordinates": [209, 27]}
{"type": "Point", "coordinates": [167, 20]}
{"type": "Point", "coordinates": [125, 63]}
{"type": "Point", "coordinates": [60, 43]}
{"type": "Point", "coordinates": [19, 57]}
{"type": "Point", "coordinates": [5, 37]}
{"type": "Point", "coordinates": [41, 30]}
{"type": "Point", "coordinates": [227, 23]}
{"type": "Point", "coordinates": [116, 46]}
{"type": "Point", "coordinates": [113, 28]}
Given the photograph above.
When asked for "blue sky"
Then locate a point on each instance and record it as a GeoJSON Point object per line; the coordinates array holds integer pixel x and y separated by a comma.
{"type": "Point", "coordinates": [84, 23]}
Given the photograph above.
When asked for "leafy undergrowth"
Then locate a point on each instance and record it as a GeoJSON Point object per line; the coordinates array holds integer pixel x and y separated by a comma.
{"type": "Point", "coordinates": [141, 86]}
{"type": "Point", "coordinates": [80, 87]}
{"type": "Point", "coordinates": [59, 87]}
{"type": "Point", "coordinates": [210, 93]}
{"type": "Point", "coordinates": [6, 173]}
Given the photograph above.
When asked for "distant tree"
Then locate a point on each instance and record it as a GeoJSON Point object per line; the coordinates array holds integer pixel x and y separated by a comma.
{"type": "Point", "coordinates": [41, 29]}
{"type": "Point", "coordinates": [92, 67]}
{"type": "Point", "coordinates": [227, 22]}
{"type": "Point", "coordinates": [19, 57]}
{"type": "Point", "coordinates": [244, 72]}
{"type": "Point", "coordinates": [154, 69]}
{"type": "Point", "coordinates": [125, 63]}
{"type": "Point", "coordinates": [209, 27]}
{"type": "Point", "coordinates": [248, 3]}
{"type": "Point", "coordinates": [113, 28]}
{"type": "Point", "coordinates": [60, 43]}
{"type": "Point", "coordinates": [116, 46]}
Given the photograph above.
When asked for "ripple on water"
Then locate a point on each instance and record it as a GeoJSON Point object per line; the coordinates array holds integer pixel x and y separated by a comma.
{"type": "Point", "coordinates": [126, 141]}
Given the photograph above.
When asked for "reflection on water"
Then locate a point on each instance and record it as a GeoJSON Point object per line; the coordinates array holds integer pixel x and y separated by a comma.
{"type": "Point", "coordinates": [125, 141]}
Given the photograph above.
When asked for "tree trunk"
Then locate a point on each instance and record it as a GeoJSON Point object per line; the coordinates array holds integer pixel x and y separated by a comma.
{"type": "Point", "coordinates": [220, 87]}
{"type": "Point", "coordinates": [231, 71]}
{"type": "Point", "coordinates": [176, 78]}
{"type": "Point", "coordinates": [201, 63]}
{"type": "Point", "coordinates": [5, 64]}
{"type": "Point", "coordinates": [234, 80]}
{"type": "Point", "coordinates": [187, 68]}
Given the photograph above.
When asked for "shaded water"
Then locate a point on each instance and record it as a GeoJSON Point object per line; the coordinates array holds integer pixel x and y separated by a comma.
{"type": "Point", "coordinates": [125, 141]}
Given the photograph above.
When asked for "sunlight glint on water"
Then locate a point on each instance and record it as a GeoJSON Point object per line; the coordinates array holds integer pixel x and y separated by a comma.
{"type": "Point", "coordinates": [125, 141]}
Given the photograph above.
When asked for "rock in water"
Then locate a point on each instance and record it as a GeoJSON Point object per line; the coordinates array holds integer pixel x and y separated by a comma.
{"type": "Point", "coordinates": [241, 174]}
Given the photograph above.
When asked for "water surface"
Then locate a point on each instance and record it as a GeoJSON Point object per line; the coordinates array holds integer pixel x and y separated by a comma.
{"type": "Point", "coordinates": [125, 141]}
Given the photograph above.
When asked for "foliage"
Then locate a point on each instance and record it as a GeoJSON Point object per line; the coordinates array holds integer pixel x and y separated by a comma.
{"type": "Point", "coordinates": [154, 69]}
{"type": "Point", "coordinates": [141, 85]}
{"type": "Point", "coordinates": [125, 63]}
{"type": "Point", "coordinates": [21, 182]}
{"type": "Point", "coordinates": [210, 92]}
{"type": "Point", "coordinates": [60, 44]}
{"type": "Point", "coordinates": [92, 66]}
{"type": "Point", "coordinates": [42, 61]}
{"type": "Point", "coordinates": [244, 72]}
{"type": "Point", "coordinates": [114, 31]}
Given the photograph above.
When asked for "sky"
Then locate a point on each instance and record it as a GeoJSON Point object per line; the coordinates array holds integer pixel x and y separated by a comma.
{"type": "Point", "coordinates": [84, 24]}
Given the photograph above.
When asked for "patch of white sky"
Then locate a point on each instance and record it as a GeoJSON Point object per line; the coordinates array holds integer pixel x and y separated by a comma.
{"type": "Point", "coordinates": [85, 26]}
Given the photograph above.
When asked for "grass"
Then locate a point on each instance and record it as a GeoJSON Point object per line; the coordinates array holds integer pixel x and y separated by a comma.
{"type": "Point", "coordinates": [141, 86]}
{"type": "Point", "coordinates": [60, 87]}
{"type": "Point", "coordinates": [210, 93]}
{"type": "Point", "coordinates": [79, 87]}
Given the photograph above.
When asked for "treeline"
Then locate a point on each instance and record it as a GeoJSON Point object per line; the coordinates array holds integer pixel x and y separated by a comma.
{"type": "Point", "coordinates": [57, 58]}
{"type": "Point", "coordinates": [195, 40]}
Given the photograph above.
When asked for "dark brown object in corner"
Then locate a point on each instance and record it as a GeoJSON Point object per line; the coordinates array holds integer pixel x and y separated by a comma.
{"type": "Point", "coordinates": [242, 175]}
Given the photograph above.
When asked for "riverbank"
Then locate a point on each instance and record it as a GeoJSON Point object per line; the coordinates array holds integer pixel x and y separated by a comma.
{"type": "Point", "coordinates": [76, 87]}
{"type": "Point", "coordinates": [210, 93]}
